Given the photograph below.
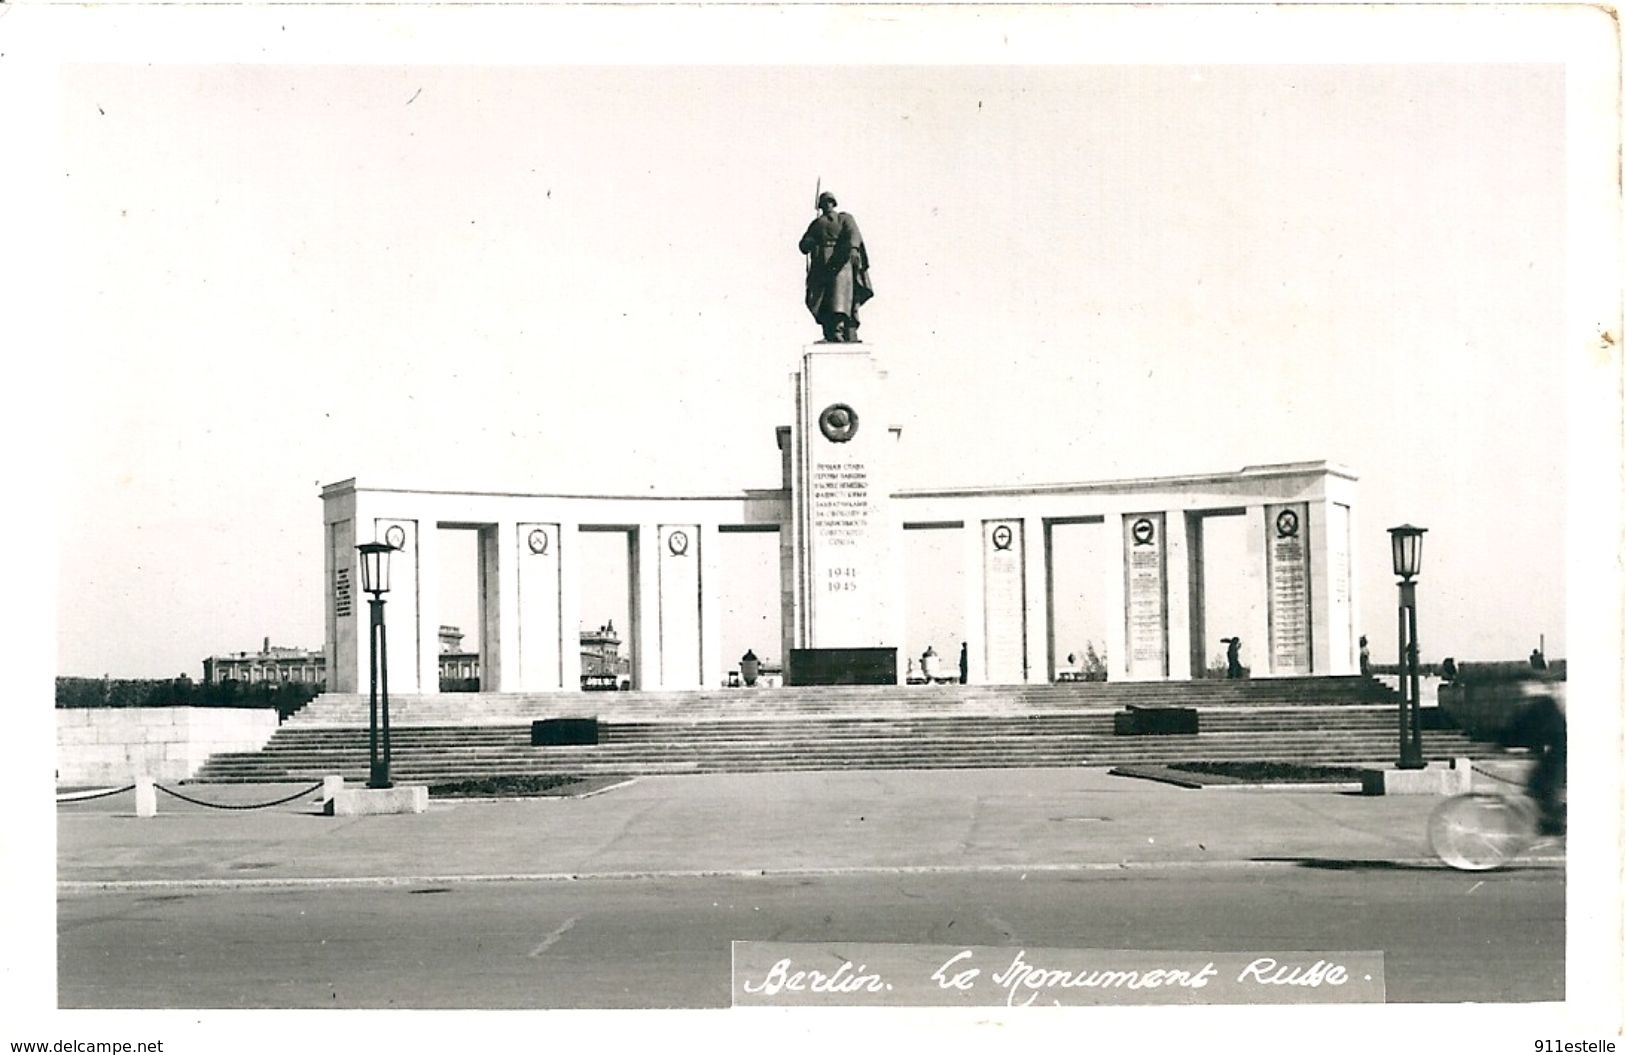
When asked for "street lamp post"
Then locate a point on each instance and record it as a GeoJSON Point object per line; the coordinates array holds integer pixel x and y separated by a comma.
{"type": "Point", "coordinates": [375, 580]}
{"type": "Point", "coordinates": [1407, 546]}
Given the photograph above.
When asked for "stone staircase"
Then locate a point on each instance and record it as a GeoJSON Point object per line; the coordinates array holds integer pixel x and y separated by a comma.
{"type": "Point", "coordinates": [446, 737]}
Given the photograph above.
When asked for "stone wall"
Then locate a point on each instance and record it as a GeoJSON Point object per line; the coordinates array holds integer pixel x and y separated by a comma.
{"type": "Point", "coordinates": [110, 746]}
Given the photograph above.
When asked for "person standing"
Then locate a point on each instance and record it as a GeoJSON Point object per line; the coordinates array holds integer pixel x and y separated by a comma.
{"type": "Point", "coordinates": [837, 271]}
{"type": "Point", "coordinates": [964, 663]}
{"type": "Point", "coordinates": [1232, 656]}
{"type": "Point", "coordinates": [1365, 657]}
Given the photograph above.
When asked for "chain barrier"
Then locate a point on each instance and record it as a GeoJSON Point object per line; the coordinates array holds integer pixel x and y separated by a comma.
{"type": "Point", "coordinates": [245, 806]}
{"type": "Point", "coordinates": [1504, 780]}
{"type": "Point", "coordinates": [72, 797]}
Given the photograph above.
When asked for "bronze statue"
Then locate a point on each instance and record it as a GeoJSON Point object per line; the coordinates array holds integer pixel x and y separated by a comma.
{"type": "Point", "coordinates": [837, 271]}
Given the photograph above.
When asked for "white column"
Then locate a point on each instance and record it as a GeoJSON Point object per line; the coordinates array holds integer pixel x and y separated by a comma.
{"type": "Point", "coordinates": [502, 543]}
{"type": "Point", "coordinates": [539, 634]}
{"type": "Point", "coordinates": [677, 556]}
{"type": "Point", "coordinates": [1177, 531]}
{"type": "Point", "coordinates": [1255, 637]}
{"type": "Point", "coordinates": [975, 603]}
{"type": "Point", "coordinates": [569, 550]}
{"type": "Point", "coordinates": [713, 671]}
{"type": "Point", "coordinates": [645, 605]}
{"type": "Point", "coordinates": [411, 588]}
{"type": "Point", "coordinates": [1116, 594]}
{"type": "Point", "coordinates": [1035, 565]}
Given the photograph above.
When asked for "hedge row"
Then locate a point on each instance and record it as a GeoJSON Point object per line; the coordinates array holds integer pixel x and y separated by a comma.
{"type": "Point", "coordinates": [78, 693]}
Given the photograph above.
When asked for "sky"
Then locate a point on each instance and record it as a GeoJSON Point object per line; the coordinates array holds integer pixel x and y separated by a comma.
{"type": "Point", "coordinates": [567, 278]}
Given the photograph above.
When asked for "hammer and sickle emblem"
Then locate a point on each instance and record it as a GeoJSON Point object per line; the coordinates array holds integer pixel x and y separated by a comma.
{"type": "Point", "coordinates": [838, 422]}
{"type": "Point", "coordinates": [1144, 531]}
{"type": "Point", "coordinates": [1286, 524]}
{"type": "Point", "coordinates": [537, 541]}
{"type": "Point", "coordinates": [1003, 536]}
{"type": "Point", "coordinates": [677, 542]}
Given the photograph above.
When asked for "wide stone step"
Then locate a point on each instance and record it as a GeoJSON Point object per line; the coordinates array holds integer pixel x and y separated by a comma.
{"type": "Point", "coordinates": [566, 758]}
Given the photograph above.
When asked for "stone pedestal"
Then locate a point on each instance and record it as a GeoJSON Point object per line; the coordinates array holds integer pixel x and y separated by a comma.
{"type": "Point", "coordinates": [356, 802]}
{"type": "Point", "coordinates": [846, 542]}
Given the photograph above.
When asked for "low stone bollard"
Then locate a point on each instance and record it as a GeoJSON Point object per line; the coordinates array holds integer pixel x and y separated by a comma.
{"type": "Point", "coordinates": [361, 802]}
{"type": "Point", "coordinates": [1452, 778]}
{"type": "Point", "coordinates": [146, 796]}
{"type": "Point", "coordinates": [331, 785]}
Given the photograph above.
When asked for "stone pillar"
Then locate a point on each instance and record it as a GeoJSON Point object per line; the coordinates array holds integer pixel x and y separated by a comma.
{"type": "Point", "coordinates": [845, 576]}
{"type": "Point", "coordinates": [1331, 588]}
{"type": "Point", "coordinates": [677, 656]}
{"type": "Point", "coordinates": [499, 559]}
{"type": "Point", "coordinates": [539, 639]}
{"type": "Point", "coordinates": [713, 668]}
{"type": "Point", "coordinates": [1255, 637]}
{"type": "Point", "coordinates": [344, 605]}
{"type": "Point", "coordinates": [643, 564]}
{"type": "Point", "coordinates": [1196, 628]}
{"type": "Point", "coordinates": [1114, 590]}
{"type": "Point", "coordinates": [1287, 557]}
{"type": "Point", "coordinates": [975, 600]}
{"type": "Point", "coordinates": [1176, 533]}
{"type": "Point", "coordinates": [1040, 665]}
{"type": "Point", "coordinates": [1145, 589]}
{"type": "Point", "coordinates": [569, 561]}
{"type": "Point", "coordinates": [412, 641]}
{"type": "Point", "coordinates": [1004, 601]}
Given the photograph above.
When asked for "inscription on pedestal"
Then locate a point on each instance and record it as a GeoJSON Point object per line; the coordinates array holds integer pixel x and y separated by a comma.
{"type": "Point", "coordinates": [840, 501]}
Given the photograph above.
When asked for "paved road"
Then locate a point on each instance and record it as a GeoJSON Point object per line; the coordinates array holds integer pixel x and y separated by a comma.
{"type": "Point", "coordinates": [663, 942]}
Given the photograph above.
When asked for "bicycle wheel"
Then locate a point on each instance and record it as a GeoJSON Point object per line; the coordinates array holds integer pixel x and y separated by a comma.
{"type": "Point", "coordinates": [1477, 832]}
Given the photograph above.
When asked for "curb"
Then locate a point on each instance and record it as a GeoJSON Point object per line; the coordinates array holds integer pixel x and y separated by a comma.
{"type": "Point", "coordinates": [113, 885]}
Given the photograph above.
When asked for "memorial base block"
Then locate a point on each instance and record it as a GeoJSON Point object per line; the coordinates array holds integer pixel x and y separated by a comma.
{"type": "Point", "coordinates": [1439, 778]}
{"type": "Point", "coordinates": [842, 666]}
{"type": "Point", "coordinates": [357, 802]}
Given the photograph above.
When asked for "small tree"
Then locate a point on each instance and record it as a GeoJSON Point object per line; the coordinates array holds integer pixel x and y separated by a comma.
{"type": "Point", "coordinates": [1094, 663]}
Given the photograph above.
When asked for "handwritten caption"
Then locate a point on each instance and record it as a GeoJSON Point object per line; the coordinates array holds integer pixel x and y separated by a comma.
{"type": "Point", "coordinates": [834, 974]}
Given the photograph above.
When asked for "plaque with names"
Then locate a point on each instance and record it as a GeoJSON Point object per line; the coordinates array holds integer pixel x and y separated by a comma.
{"type": "Point", "coordinates": [341, 593]}
{"type": "Point", "coordinates": [1288, 548]}
{"type": "Point", "coordinates": [1145, 566]}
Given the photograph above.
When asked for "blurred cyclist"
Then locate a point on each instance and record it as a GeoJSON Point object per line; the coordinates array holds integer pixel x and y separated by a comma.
{"type": "Point", "coordinates": [1543, 728]}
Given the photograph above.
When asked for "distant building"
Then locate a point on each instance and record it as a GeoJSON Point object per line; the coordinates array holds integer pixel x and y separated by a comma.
{"type": "Point", "coordinates": [270, 665]}
{"type": "Point", "coordinates": [601, 662]}
{"type": "Point", "coordinates": [602, 665]}
{"type": "Point", "coordinates": [458, 668]}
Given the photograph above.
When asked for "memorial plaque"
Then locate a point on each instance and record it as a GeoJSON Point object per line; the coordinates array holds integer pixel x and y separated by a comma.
{"type": "Point", "coordinates": [1288, 549]}
{"type": "Point", "coordinates": [1146, 588]}
{"type": "Point", "coordinates": [1004, 601]}
{"type": "Point", "coordinates": [341, 593]}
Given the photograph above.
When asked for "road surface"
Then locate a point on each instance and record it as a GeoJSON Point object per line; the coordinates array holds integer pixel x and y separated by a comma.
{"type": "Point", "coordinates": [664, 942]}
